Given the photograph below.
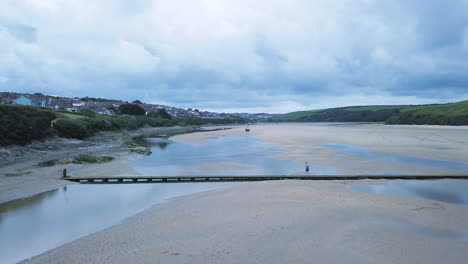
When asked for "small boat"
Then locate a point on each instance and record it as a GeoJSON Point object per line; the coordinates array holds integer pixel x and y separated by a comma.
{"type": "Point", "coordinates": [247, 129]}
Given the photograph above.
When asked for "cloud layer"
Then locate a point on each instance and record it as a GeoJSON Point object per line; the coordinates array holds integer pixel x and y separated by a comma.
{"type": "Point", "coordinates": [238, 55]}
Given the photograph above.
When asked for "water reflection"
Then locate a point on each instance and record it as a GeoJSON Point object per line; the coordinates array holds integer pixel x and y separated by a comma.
{"type": "Point", "coordinates": [346, 149]}
{"type": "Point", "coordinates": [227, 155]}
{"type": "Point", "coordinates": [449, 191]}
{"type": "Point", "coordinates": [34, 225]}
{"type": "Point", "coordinates": [161, 143]}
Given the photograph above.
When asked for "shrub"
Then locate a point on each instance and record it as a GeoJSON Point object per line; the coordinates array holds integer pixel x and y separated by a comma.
{"type": "Point", "coordinates": [87, 158]}
{"type": "Point", "coordinates": [131, 109]}
{"type": "Point", "coordinates": [22, 124]}
{"type": "Point", "coordinates": [161, 113]}
{"type": "Point", "coordinates": [69, 128]}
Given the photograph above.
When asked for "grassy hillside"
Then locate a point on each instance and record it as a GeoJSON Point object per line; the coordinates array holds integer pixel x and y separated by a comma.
{"type": "Point", "coordinates": [443, 114]}
{"type": "Point", "coordinates": [294, 115]}
{"type": "Point", "coordinates": [453, 109]}
{"type": "Point", "coordinates": [375, 107]}
{"type": "Point", "coordinates": [343, 114]}
{"type": "Point", "coordinates": [446, 114]}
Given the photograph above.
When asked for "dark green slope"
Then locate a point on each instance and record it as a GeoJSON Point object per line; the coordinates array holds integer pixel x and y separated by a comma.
{"type": "Point", "coordinates": [442, 114]}
{"type": "Point", "coordinates": [446, 114]}
{"type": "Point", "coordinates": [342, 114]}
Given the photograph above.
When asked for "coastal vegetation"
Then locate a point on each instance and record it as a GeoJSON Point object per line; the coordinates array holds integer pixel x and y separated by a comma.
{"type": "Point", "coordinates": [88, 158]}
{"type": "Point", "coordinates": [17, 173]}
{"type": "Point", "coordinates": [48, 163]}
{"type": "Point", "coordinates": [23, 124]}
{"type": "Point", "coordinates": [442, 114]}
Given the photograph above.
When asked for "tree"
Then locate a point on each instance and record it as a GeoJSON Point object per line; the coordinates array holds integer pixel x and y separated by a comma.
{"type": "Point", "coordinates": [131, 109]}
{"type": "Point", "coordinates": [161, 113]}
{"type": "Point", "coordinates": [87, 112]}
{"type": "Point", "coordinates": [111, 108]}
{"type": "Point", "coordinates": [137, 102]}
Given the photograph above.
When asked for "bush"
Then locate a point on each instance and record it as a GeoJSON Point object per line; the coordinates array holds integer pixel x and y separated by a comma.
{"type": "Point", "coordinates": [87, 158]}
{"type": "Point", "coordinates": [161, 113]}
{"type": "Point", "coordinates": [131, 109]}
{"type": "Point", "coordinates": [22, 124]}
{"type": "Point", "coordinates": [69, 128]}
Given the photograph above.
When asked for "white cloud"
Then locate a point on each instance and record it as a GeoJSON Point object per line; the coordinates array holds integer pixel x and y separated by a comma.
{"type": "Point", "coordinates": [214, 54]}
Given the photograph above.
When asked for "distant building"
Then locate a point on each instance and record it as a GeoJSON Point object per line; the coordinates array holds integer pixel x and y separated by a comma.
{"type": "Point", "coordinates": [31, 100]}
{"type": "Point", "coordinates": [77, 103]}
{"type": "Point", "coordinates": [22, 100]}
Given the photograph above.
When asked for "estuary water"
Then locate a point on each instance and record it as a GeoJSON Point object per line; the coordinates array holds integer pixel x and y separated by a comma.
{"type": "Point", "coordinates": [221, 156]}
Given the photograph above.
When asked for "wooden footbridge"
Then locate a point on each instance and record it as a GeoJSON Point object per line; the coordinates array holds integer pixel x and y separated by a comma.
{"type": "Point", "coordinates": [181, 179]}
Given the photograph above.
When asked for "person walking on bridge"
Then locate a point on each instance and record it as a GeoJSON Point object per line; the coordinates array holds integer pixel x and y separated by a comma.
{"type": "Point", "coordinates": [307, 169]}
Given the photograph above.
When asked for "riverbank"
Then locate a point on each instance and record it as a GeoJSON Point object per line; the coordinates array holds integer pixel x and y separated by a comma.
{"type": "Point", "coordinates": [279, 222]}
{"type": "Point", "coordinates": [25, 170]}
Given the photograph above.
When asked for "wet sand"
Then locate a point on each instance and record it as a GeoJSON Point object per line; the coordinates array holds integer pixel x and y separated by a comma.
{"type": "Point", "coordinates": [278, 222]}
{"type": "Point", "coordinates": [305, 142]}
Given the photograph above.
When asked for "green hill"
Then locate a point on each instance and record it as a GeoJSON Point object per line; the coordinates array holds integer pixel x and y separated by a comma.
{"type": "Point", "coordinates": [294, 116]}
{"type": "Point", "coordinates": [441, 114]}
{"type": "Point", "coordinates": [444, 114]}
{"type": "Point", "coordinates": [342, 114]}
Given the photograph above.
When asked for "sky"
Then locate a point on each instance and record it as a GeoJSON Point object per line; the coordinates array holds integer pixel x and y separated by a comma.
{"type": "Point", "coordinates": [272, 56]}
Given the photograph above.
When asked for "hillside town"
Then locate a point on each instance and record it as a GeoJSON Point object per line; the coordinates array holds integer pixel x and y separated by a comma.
{"type": "Point", "coordinates": [107, 106]}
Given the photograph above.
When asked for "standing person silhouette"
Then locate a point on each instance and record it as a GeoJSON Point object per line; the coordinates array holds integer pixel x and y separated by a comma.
{"type": "Point", "coordinates": [307, 169]}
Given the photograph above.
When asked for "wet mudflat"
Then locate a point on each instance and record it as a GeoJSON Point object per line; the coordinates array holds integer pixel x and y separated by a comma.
{"type": "Point", "coordinates": [449, 191]}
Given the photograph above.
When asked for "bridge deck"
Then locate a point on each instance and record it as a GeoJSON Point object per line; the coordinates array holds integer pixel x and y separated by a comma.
{"type": "Point", "coordinates": [176, 179]}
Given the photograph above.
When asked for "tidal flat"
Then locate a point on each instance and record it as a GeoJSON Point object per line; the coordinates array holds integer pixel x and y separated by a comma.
{"type": "Point", "coordinates": [356, 148]}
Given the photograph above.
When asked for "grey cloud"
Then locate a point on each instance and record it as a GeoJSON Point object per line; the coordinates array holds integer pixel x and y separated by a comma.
{"type": "Point", "coordinates": [267, 52]}
{"type": "Point", "coordinates": [22, 32]}
{"type": "Point", "coordinates": [244, 62]}
{"type": "Point", "coordinates": [440, 23]}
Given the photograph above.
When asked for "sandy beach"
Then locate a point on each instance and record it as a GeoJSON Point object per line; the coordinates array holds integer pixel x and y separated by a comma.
{"type": "Point", "coordinates": [279, 222]}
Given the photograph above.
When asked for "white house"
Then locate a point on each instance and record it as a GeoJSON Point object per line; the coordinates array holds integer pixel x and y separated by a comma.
{"type": "Point", "coordinates": [78, 103]}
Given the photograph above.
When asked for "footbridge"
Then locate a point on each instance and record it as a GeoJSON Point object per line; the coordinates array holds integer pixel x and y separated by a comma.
{"type": "Point", "coordinates": [181, 179]}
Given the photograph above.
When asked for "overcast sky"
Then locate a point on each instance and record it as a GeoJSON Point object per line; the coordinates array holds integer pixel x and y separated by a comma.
{"type": "Point", "coordinates": [238, 55]}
